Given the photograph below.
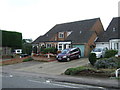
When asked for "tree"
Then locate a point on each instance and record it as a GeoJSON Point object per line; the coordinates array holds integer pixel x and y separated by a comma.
{"type": "Point", "coordinates": [27, 46]}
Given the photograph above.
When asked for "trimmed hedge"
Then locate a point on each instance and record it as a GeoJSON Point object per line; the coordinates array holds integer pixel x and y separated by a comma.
{"type": "Point", "coordinates": [11, 39]}
{"type": "Point", "coordinates": [110, 53]}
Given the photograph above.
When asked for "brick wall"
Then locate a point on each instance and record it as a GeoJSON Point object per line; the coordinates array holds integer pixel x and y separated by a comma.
{"type": "Point", "coordinates": [12, 61]}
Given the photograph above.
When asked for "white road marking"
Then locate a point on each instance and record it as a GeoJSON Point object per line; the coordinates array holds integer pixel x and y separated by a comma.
{"type": "Point", "coordinates": [11, 76]}
{"type": "Point", "coordinates": [88, 86]}
{"type": "Point", "coordinates": [68, 85]}
{"type": "Point", "coordinates": [53, 84]}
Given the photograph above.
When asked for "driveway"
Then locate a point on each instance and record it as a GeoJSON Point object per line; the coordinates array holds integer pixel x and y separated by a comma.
{"type": "Point", "coordinates": [55, 67]}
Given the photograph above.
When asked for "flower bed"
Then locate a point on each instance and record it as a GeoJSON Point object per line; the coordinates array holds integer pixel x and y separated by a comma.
{"type": "Point", "coordinates": [45, 57]}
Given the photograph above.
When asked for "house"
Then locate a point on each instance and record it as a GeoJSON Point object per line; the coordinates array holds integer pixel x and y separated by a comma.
{"type": "Point", "coordinates": [111, 37]}
{"type": "Point", "coordinates": [81, 34]}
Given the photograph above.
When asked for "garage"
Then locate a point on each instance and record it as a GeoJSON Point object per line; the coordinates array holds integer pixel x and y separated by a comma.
{"type": "Point", "coordinates": [82, 48]}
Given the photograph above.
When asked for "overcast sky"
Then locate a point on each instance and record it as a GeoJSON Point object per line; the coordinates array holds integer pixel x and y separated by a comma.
{"type": "Point", "coordinates": [35, 17]}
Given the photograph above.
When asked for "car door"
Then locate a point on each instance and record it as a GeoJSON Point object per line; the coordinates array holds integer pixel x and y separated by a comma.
{"type": "Point", "coordinates": [72, 54]}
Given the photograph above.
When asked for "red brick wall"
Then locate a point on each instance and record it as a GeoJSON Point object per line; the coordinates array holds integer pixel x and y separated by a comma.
{"type": "Point", "coordinates": [13, 61]}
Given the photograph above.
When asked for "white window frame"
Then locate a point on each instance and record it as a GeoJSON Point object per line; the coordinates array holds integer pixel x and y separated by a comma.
{"type": "Point", "coordinates": [61, 34]}
{"type": "Point", "coordinates": [61, 47]}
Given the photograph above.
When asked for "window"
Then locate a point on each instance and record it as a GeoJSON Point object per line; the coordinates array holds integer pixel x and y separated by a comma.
{"type": "Point", "coordinates": [113, 29]}
{"type": "Point", "coordinates": [116, 46]}
{"type": "Point", "coordinates": [61, 34]}
{"type": "Point", "coordinates": [80, 32]}
{"type": "Point", "coordinates": [49, 45]}
{"type": "Point", "coordinates": [60, 46]}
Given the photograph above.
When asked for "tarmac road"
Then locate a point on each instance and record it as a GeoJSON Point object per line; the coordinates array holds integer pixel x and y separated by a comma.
{"type": "Point", "coordinates": [21, 80]}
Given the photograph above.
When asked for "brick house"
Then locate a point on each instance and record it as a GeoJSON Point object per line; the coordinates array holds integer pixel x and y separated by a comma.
{"type": "Point", "coordinates": [81, 34]}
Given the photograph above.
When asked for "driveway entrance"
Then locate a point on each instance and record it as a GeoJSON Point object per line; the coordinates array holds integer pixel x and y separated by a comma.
{"type": "Point", "coordinates": [55, 67]}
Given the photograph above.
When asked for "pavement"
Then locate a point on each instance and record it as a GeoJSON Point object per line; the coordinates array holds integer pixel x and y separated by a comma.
{"type": "Point", "coordinates": [41, 71]}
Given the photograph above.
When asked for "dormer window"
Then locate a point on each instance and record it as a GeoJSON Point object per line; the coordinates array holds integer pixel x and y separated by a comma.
{"type": "Point", "coordinates": [61, 34]}
{"type": "Point", "coordinates": [113, 29]}
{"type": "Point", "coordinates": [69, 32]}
{"type": "Point", "coordinates": [80, 32]}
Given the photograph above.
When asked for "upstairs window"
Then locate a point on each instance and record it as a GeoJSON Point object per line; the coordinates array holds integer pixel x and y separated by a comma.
{"type": "Point", "coordinates": [61, 34]}
{"type": "Point", "coordinates": [113, 29]}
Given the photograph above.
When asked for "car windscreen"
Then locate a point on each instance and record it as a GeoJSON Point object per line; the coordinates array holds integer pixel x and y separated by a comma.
{"type": "Point", "coordinates": [64, 51]}
{"type": "Point", "coordinates": [97, 50]}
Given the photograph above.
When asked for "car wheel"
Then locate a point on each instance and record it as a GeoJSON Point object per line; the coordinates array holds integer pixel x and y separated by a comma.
{"type": "Point", "coordinates": [101, 56]}
{"type": "Point", "coordinates": [79, 56]}
{"type": "Point", "coordinates": [68, 59]}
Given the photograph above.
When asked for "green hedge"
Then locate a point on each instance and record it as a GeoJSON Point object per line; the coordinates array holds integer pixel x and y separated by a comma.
{"type": "Point", "coordinates": [11, 39]}
{"type": "Point", "coordinates": [28, 59]}
{"type": "Point", "coordinates": [110, 53]}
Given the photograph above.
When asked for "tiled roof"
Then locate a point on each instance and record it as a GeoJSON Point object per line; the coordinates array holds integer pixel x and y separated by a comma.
{"type": "Point", "coordinates": [80, 31]}
{"type": "Point", "coordinates": [112, 32]}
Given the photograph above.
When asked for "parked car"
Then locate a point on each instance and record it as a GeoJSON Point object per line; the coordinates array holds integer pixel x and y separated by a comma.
{"type": "Point", "coordinates": [17, 51]}
{"type": "Point", "coordinates": [68, 54]}
{"type": "Point", "coordinates": [23, 55]}
{"type": "Point", "coordinates": [99, 51]}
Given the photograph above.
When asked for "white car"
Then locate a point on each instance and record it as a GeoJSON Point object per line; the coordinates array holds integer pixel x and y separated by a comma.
{"type": "Point", "coordinates": [99, 51]}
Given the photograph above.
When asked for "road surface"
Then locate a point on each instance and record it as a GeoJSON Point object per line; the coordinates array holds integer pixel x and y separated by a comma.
{"type": "Point", "coordinates": [19, 80]}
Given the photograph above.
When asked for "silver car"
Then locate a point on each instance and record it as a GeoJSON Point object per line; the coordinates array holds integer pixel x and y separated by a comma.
{"type": "Point", "coordinates": [99, 51]}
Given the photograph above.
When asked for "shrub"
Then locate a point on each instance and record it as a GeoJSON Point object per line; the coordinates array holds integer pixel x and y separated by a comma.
{"type": "Point", "coordinates": [69, 71]}
{"type": "Point", "coordinates": [50, 50]}
{"type": "Point", "coordinates": [28, 59]}
{"type": "Point", "coordinates": [110, 53]}
{"type": "Point", "coordinates": [110, 63]}
{"type": "Point", "coordinates": [72, 71]}
{"type": "Point", "coordinates": [92, 58]}
{"type": "Point", "coordinates": [77, 70]}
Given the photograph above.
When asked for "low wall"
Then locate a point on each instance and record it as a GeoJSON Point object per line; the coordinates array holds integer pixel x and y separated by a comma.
{"type": "Point", "coordinates": [13, 61]}
{"type": "Point", "coordinates": [43, 58]}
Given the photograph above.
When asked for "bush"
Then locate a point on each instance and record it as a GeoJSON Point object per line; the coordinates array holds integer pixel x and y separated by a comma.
{"type": "Point", "coordinates": [110, 63]}
{"type": "Point", "coordinates": [77, 70]}
{"type": "Point", "coordinates": [50, 50]}
{"type": "Point", "coordinates": [92, 58]}
{"type": "Point", "coordinates": [110, 53]}
{"type": "Point", "coordinates": [28, 59]}
{"type": "Point", "coordinates": [70, 71]}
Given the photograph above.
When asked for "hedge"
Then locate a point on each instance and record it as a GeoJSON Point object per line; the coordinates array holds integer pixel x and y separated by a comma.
{"type": "Point", "coordinates": [110, 53]}
{"type": "Point", "coordinates": [11, 39]}
{"type": "Point", "coordinates": [28, 59]}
